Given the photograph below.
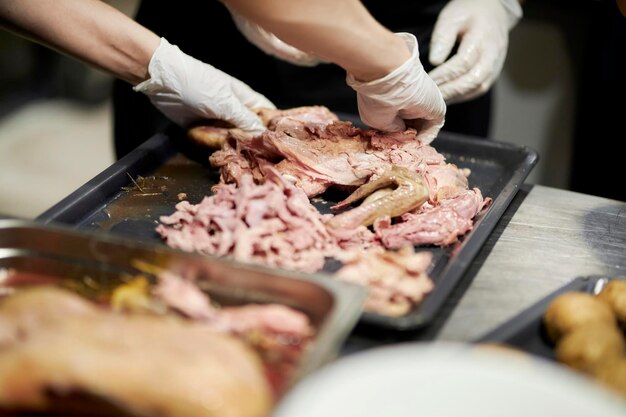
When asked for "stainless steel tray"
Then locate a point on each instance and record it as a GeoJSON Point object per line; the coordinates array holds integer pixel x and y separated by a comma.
{"type": "Point", "coordinates": [333, 307]}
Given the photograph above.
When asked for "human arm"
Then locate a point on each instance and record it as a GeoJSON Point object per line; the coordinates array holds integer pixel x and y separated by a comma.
{"type": "Point", "coordinates": [339, 31]}
{"type": "Point", "coordinates": [181, 87]}
{"type": "Point", "coordinates": [482, 29]}
{"type": "Point", "coordinates": [91, 31]}
{"type": "Point", "coordinates": [379, 63]}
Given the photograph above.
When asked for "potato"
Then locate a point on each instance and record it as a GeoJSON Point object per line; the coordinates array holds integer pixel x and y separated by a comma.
{"type": "Point", "coordinates": [614, 294]}
{"type": "Point", "coordinates": [585, 346]}
{"type": "Point", "coordinates": [574, 309]}
{"type": "Point", "coordinates": [612, 373]}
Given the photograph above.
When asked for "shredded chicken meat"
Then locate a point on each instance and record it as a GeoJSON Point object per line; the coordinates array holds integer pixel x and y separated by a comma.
{"type": "Point", "coordinates": [261, 210]}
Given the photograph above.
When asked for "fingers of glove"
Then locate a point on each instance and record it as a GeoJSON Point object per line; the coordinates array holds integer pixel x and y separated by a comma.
{"type": "Point", "coordinates": [425, 107]}
{"type": "Point", "coordinates": [248, 96]}
{"type": "Point", "coordinates": [477, 81]}
{"type": "Point", "coordinates": [496, 66]}
{"type": "Point", "coordinates": [445, 33]}
{"type": "Point", "coordinates": [463, 61]}
{"type": "Point", "coordinates": [236, 113]}
{"type": "Point", "coordinates": [405, 93]}
{"type": "Point", "coordinates": [469, 95]}
{"type": "Point", "coordinates": [427, 130]}
{"type": "Point", "coordinates": [378, 116]}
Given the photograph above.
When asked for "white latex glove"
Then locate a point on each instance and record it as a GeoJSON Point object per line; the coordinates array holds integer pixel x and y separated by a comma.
{"type": "Point", "coordinates": [187, 90]}
{"type": "Point", "coordinates": [407, 94]}
{"type": "Point", "coordinates": [482, 27]}
{"type": "Point", "coordinates": [271, 45]}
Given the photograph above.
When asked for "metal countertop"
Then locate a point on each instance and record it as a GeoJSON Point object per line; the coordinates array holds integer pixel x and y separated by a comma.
{"type": "Point", "coordinates": [546, 238]}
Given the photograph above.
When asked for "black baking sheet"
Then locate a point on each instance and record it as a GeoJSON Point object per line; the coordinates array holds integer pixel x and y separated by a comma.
{"type": "Point", "coordinates": [526, 331]}
{"type": "Point", "coordinates": [106, 203]}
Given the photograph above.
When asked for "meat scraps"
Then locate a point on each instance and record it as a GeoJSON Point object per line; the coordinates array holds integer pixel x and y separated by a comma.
{"type": "Point", "coordinates": [260, 211]}
{"type": "Point", "coordinates": [318, 153]}
{"type": "Point", "coordinates": [279, 334]}
{"type": "Point", "coordinates": [53, 341]}
{"type": "Point", "coordinates": [316, 156]}
{"type": "Point", "coordinates": [213, 136]}
{"type": "Point", "coordinates": [396, 280]}
{"type": "Point", "coordinates": [439, 224]}
{"type": "Point", "coordinates": [272, 223]}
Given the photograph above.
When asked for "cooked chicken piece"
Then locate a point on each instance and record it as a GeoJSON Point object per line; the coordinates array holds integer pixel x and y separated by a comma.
{"type": "Point", "coordinates": [411, 192]}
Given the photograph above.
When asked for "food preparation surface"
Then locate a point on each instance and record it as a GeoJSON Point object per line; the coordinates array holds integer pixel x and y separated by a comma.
{"type": "Point", "coordinates": [129, 197]}
{"type": "Point", "coordinates": [546, 238]}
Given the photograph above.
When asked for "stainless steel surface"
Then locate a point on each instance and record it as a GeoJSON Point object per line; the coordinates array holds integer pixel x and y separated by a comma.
{"type": "Point", "coordinates": [547, 238]}
{"type": "Point", "coordinates": [333, 306]}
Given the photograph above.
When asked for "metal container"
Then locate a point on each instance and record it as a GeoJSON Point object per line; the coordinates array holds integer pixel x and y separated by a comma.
{"type": "Point", "coordinates": [332, 306]}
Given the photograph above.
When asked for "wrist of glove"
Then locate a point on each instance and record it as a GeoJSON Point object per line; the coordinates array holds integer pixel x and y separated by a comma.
{"type": "Point", "coordinates": [407, 95]}
{"type": "Point", "coordinates": [186, 90]}
{"type": "Point", "coordinates": [271, 45]}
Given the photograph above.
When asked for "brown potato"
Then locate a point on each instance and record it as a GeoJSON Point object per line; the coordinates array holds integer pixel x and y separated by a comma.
{"type": "Point", "coordinates": [612, 373]}
{"type": "Point", "coordinates": [574, 309]}
{"type": "Point", "coordinates": [585, 346]}
{"type": "Point", "coordinates": [614, 294]}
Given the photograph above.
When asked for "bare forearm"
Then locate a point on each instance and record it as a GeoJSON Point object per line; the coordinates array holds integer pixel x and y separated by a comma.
{"type": "Point", "coordinates": [340, 31]}
{"type": "Point", "coordinates": [89, 30]}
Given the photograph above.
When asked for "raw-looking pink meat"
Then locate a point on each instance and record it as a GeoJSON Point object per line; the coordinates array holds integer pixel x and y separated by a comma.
{"type": "Point", "coordinates": [441, 224]}
{"type": "Point", "coordinates": [306, 114]}
{"type": "Point", "coordinates": [272, 223]}
{"type": "Point", "coordinates": [397, 281]}
{"type": "Point", "coordinates": [268, 219]}
{"type": "Point", "coordinates": [280, 334]}
{"type": "Point", "coordinates": [315, 156]}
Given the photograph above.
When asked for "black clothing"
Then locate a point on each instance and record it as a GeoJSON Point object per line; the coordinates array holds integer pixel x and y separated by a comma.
{"type": "Point", "coordinates": [205, 31]}
{"type": "Point", "coordinates": [597, 166]}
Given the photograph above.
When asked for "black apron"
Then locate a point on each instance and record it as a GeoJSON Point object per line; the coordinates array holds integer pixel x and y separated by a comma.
{"type": "Point", "coordinates": [205, 31]}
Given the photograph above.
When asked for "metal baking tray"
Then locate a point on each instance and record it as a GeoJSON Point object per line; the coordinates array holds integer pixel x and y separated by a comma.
{"type": "Point", "coordinates": [526, 330]}
{"type": "Point", "coordinates": [498, 169]}
{"type": "Point", "coordinates": [332, 306]}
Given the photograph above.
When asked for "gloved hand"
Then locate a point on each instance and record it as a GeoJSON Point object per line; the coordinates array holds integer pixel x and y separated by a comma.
{"type": "Point", "coordinates": [482, 26]}
{"type": "Point", "coordinates": [186, 90]}
{"type": "Point", "coordinates": [407, 94]}
{"type": "Point", "coordinates": [271, 45]}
